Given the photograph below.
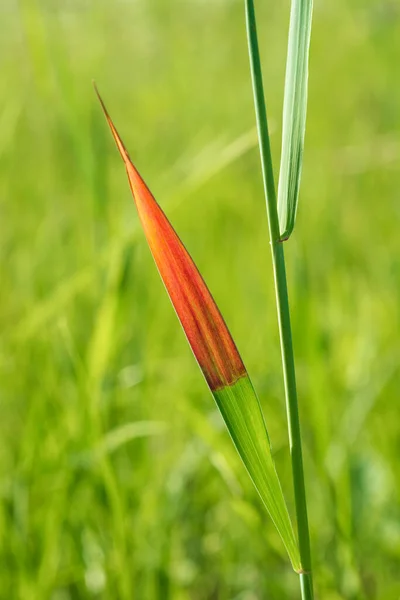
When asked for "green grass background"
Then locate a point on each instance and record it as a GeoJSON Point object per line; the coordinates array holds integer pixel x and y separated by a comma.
{"type": "Point", "coordinates": [117, 478]}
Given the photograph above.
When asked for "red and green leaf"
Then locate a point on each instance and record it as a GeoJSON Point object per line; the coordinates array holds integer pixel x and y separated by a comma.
{"type": "Point", "coordinates": [214, 349]}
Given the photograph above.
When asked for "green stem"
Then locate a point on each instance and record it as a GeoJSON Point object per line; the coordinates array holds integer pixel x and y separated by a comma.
{"type": "Point", "coordinates": [282, 301]}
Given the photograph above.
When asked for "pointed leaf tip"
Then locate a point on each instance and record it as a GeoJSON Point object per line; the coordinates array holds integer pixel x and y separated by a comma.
{"type": "Point", "coordinates": [120, 145]}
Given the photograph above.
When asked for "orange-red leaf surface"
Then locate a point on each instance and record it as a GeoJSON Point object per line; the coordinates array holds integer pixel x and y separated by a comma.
{"type": "Point", "coordinates": [202, 322]}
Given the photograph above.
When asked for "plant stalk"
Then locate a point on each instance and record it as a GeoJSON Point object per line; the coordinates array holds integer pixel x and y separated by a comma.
{"type": "Point", "coordinates": [282, 301]}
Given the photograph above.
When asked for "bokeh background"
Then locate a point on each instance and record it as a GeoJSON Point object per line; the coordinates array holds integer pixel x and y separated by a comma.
{"type": "Point", "coordinates": [117, 478]}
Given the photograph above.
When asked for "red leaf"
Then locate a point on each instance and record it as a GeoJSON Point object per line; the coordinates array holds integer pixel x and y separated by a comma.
{"type": "Point", "coordinates": [201, 320]}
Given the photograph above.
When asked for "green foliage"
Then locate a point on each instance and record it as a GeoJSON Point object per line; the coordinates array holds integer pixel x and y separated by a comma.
{"type": "Point", "coordinates": [282, 305]}
{"type": "Point", "coordinates": [294, 114]}
{"type": "Point", "coordinates": [169, 515]}
{"type": "Point", "coordinates": [242, 414]}
{"type": "Point", "coordinates": [281, 293]}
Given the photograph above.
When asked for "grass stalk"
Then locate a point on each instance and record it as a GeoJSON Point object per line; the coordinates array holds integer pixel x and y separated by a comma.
{"type": "Point", "coordinates": [282, 301]}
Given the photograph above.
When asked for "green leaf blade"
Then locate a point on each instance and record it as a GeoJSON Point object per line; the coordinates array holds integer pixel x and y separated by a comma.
{"type": "Point", "coordinates": [294, 114]}
{"type": "Point", "coordinates": [242, 413]}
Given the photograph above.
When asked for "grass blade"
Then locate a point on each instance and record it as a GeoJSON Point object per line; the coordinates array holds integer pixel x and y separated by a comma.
{"type": "Point", "coordinates": [294, 114]}
{"type": "Point", "coordinates": [214, 350]}
{"type": "Point", "coordinates": [282, 304]}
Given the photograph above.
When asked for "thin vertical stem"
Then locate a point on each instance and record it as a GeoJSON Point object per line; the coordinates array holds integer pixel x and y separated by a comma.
{"type": "Point", "coordinates": [282, 301]}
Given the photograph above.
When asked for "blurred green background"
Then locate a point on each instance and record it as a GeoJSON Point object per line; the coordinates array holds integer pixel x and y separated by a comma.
{"type": "Point", "coordinates": [117, 478]}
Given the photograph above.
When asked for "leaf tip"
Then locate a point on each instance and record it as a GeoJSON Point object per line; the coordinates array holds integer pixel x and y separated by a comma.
{"type": "Point", "coordinates": [120, 145]}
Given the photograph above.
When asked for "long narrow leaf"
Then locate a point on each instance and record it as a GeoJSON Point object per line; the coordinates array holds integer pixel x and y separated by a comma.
{"type": "Point", "coordinates": [214, 350]}
{"type": "Point", "coordinates": [294, 114]}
